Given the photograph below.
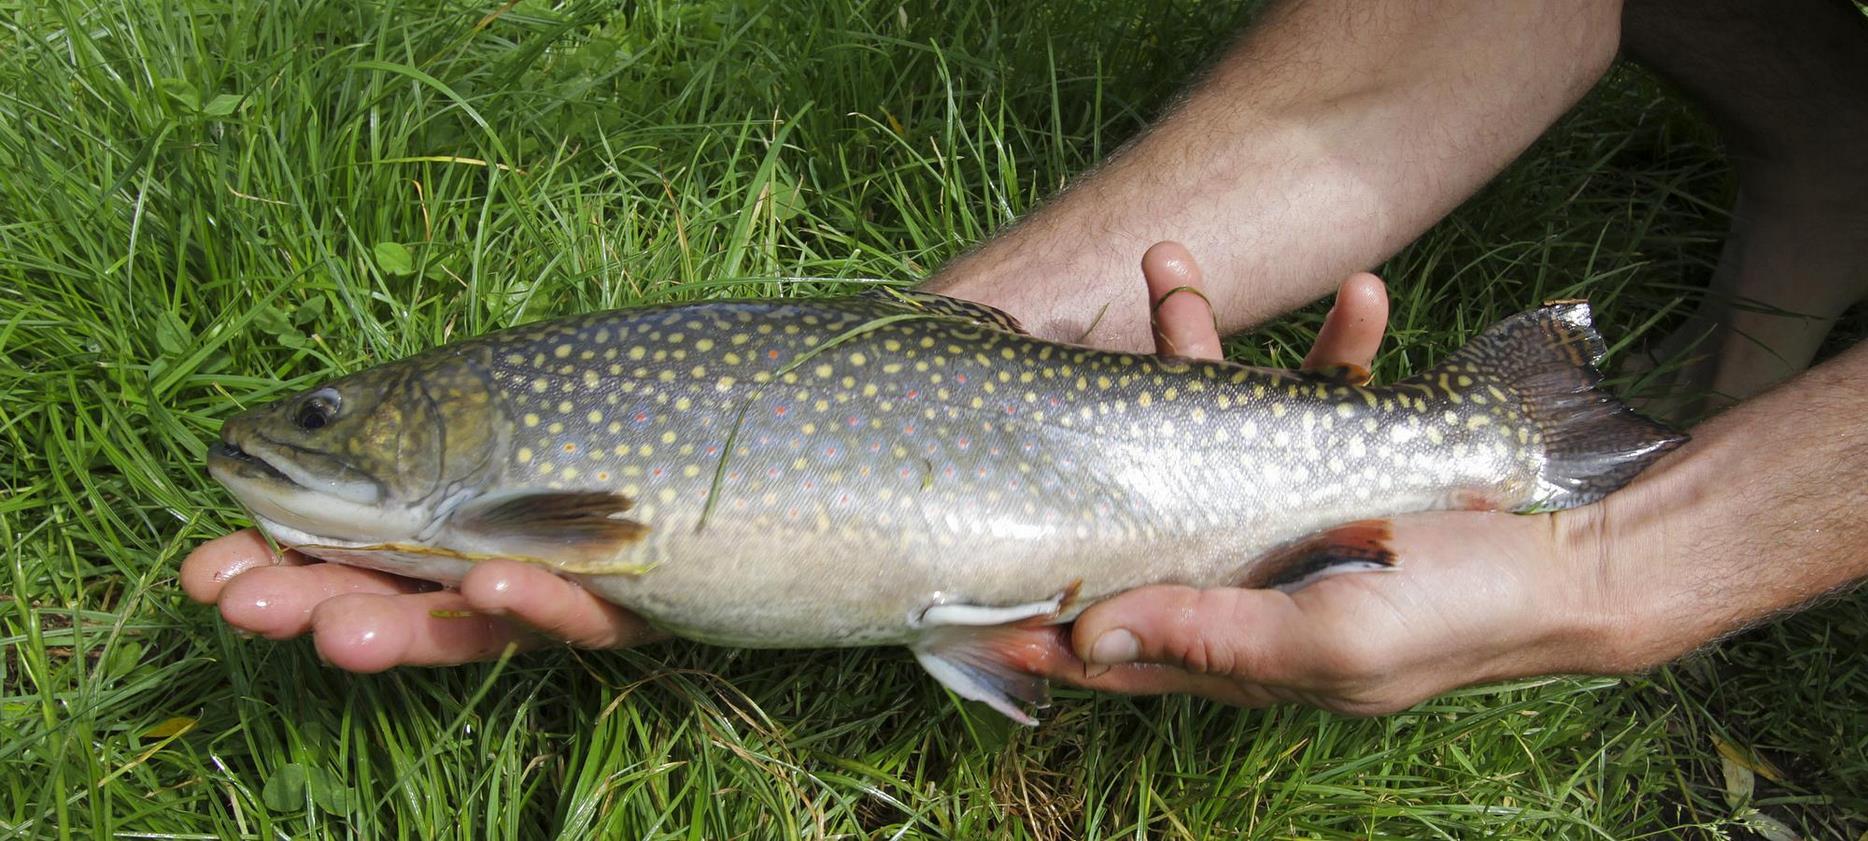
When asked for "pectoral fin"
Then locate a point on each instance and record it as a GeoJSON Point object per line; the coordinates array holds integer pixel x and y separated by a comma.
{"type": "Point", "coordinates": [581, 532]}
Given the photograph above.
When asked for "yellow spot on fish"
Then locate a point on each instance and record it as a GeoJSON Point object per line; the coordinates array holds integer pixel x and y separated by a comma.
{"type": "Point", "coordinates": [704, 345]}
{"type": "Point", "coordinates": [555, 428]}
{"type": "Point", "coordinates": [683, 404]}
{"type": "Point", "coordinates": [869, 390]}
{"type": "Point", "coordinates": [858, 359]}
{"type": "Point", "coordinates": [1477, 421]}
{"type": "Point", "coordinates": [1144, 399]}
{"type": "Point", "coordinates": [638, 352]}
{"type": "Point", "coordinates": [1278, 410]}
{"type": "Point", "coordinates": [568, 473]}
{"type": "Point", "coordinates": [1343, 410]}
{"type": "Point", "coordinates": [645, 450]}
{"type": "Point", "coordinates": [531, 419]}
{"type": "Point", "coordinates": [595, 417]}
{"type": "Point", "coordinates": [690, 471]}
{"type": "Point", "coordinates": [669, 437]}
{"type": "Point", "coordinates": [525, 455]}
{"type": "Point", "coordinates": [570, 447]}
{"type": "Point", "coordinates": [561, 351]}
{"type": "Point", "coordinates": [539, 384]}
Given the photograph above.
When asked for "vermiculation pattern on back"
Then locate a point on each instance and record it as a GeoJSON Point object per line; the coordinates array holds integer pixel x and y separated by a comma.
{"type": "Point", "coordinates": [874, 436]}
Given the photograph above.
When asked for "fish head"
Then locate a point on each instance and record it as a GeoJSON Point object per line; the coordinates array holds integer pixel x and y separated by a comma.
{"type": "Point", "coordinates": [373, 457]}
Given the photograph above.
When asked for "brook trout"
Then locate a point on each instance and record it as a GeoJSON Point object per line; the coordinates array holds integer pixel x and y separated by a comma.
{"type": "Point", "coordinates": [901, 468]}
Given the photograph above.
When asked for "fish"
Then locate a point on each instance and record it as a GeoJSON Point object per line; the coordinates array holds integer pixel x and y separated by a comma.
{"type": "Point", "coordinates": [897, 467]}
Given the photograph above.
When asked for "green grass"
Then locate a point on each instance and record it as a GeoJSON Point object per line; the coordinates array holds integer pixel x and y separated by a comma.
{"type": "Point", "coordinates": [203, 206]}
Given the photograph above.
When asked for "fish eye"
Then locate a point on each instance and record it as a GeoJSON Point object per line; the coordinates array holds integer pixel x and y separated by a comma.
{"type": "Point", "coordinates": [318, 409]}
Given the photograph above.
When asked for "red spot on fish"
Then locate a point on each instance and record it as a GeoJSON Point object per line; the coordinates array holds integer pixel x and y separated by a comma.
{"type": "Point", "coordinates": [854, 421]}
{"type": "Point", "coordinates": [949, 472]}
{"type": "Point", "coordinates": [830, 452]}
{"type": "Point", "coordinates": [843, 500]}
{"type": "Point", "coordinates": [780, 411]}
{"type": "Point", "coordinates": [809, 485]}
{"type": "Point", "coordinates": [907, 473]}
{"type": "Point", "coordinates": [964, 442]}
{"type": "Point", "coordinates": [713, 451]}
{"type": "Point", "coordinates": [771, 354]}
{"type": "Point", "coordinates": [960, 378]}
{"type": "Point", "coordinates": [908, 429]}
{"type": "Point", "coordinates": [772, 474]}
{"type": "Point", "coordinates": [642, 417]}
{"type": "Point", "coordinates": [1010, 409]}
{"type": "Point", "coordinates": [1054, 402]}
{"type": "Point", "coordinates": [913, 393]}
{"type": "Point", "coordinates": [656, 472]}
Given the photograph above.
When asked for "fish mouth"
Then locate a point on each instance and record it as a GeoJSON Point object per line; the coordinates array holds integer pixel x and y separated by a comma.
{"type": "Point", "coordinates": [227, 456]}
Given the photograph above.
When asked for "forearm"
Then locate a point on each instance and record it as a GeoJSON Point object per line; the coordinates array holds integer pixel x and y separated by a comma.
{"type": "Point", "coordinates": [1760, 513]}
{"type": "Point", "coordinates": [1333, 134]}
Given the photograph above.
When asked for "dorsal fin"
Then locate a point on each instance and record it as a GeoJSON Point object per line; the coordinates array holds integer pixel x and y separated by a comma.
{"type": "Point", "coordinates": [914, 300]}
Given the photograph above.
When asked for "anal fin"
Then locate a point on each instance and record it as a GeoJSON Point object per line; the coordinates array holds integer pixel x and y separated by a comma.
{"type": "Point", "coordinates": [1361, 546]}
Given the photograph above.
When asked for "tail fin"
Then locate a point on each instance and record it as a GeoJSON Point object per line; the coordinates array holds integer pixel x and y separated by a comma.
{"type": "Point", "coordinates": [1593, 443]}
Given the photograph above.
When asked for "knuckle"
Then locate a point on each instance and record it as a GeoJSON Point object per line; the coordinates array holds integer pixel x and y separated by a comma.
{"type": "Point", "coordinates": [1203, 641]}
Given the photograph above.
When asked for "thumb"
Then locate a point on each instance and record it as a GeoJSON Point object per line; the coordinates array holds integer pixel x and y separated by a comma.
{"type": "Point", "coordinates": [1254, 634]}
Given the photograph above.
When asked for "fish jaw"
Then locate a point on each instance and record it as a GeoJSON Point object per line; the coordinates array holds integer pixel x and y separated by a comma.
{"type": "Point", "coordinates": [298, 514]}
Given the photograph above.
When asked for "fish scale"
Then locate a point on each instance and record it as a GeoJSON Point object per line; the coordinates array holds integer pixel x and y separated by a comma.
{"type": "Point", "coordinates": [903, 468]}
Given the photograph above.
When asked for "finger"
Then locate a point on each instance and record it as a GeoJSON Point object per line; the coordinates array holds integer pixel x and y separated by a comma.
{"type": "Point", "coordinates": [553, 606]}
{"type": "Point", "coordinates": [1183, 318]}
{"type": "Point", "coordinates": [1352, 331]}
{"type": "Point", "coordinates": [1046, 652]}
{"type": "Point", "coordinates": [212, 564]}
{"type": "Point", "coordinates": [277, 601]}
{"type": "Point", "coordinates": [371, 632]}
{"type": "Point", "coordinates": [1255, 636]}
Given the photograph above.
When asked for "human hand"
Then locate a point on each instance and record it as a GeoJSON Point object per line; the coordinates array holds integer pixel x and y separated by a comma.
{"type": "Point", "coordinates": [367, 621]}
{"type": "Point", "coordinates": [1476, 596]}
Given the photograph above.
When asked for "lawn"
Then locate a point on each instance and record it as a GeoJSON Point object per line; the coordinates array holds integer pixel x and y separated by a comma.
{"type": "Point", "coordinates": [204, 206]}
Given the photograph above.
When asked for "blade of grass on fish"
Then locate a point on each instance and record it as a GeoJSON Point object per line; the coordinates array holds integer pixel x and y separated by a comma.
{"type": "Point", "coordinates": [713, 490]}
{"type": "Point", "coordinates": [719, 468]}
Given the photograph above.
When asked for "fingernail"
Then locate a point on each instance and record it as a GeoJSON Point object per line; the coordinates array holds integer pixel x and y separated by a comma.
{"type": "Point", "coordinates": [1117, 646]}
{"type": "Point", "coordinates": [1092, 671]}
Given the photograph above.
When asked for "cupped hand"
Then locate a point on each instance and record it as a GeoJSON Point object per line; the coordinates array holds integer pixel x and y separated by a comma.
{"type": "Point", "coordinates": [367, 621]}
{"type": "Point", "coordinates": [1475, 596]}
